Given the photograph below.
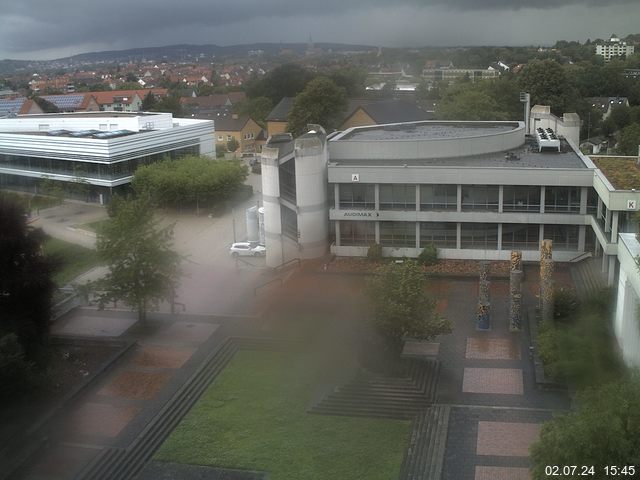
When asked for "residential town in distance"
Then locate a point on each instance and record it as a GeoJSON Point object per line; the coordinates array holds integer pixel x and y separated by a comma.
{"type": "Point", "coordinates": [321, 261]}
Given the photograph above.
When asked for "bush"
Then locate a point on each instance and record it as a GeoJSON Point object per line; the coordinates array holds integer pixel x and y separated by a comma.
{"type": "Point", "coordinates": [17, 374]}
{"type": "Point", "coordinates": [374, 253]}
{"type": "Point", "coordinates": [548, 347]}
{"type": "Point", "coordinates": [429, 255]}
{"type": "Point", "coordinates": [565, 304]}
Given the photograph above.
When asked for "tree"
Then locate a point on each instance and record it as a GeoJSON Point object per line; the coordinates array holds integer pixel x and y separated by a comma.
{"type": "Point", "coordinates": [548, 84]}
{"type": "Point", "coordinates": [233, 144]}
{"type": "Point", "coordinates": [352, 79]}
{"type": "Point", "coordinates": [148, 102]}
{"type": "Point", "coordinates": [603, 431]}
{"type": "Point", "coordinates": [257, 109]}
{"type": "Point", "coordinates": [321, 102]}
{"type": "Point", "coordinates": [629, 140]}
{"type": "Point", "coordinates": [190, 180]}
{"type": "Point", "coordinates": [284, 81]}
{"type": "Point", "coordinates": [26, 285]}
{"type": "Point", "coordinates": [143, 268]}
{"type": "Point", "coordinates": [401, 308]}
{"type": "Point", "coordinates": [468, 102]}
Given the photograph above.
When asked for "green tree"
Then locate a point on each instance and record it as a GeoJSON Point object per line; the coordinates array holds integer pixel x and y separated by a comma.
{"type": "Point", "coordinates": [602, 431]}
{"type": "Point", "coordinates": [143, 268]}
{"type": "Point", "coordinates": [321, 102]}
{"type": "Point", "coordinates": [352, 79]}
{"type": "Point", "coordinates": [548, 84]}
{"type": "Point", "coordinates": [148, 102]}
{"type": "Point", "coordinates": [468, 102]}
{"type": "Point", "coordinates": [191, 180]}
{"type": "Point", "coordinates": [621, 116]}
{"type": "Point", "coordinates": [233, 144]}
{"type": "Point", "coordinates": [629, 140]}
{"type": "Point", "coordinates": [170, 104]}
{"type": "Point", "coordinates": [26, 283]}
{"type": "Point", "coordinates": [257, 109]}
{"type": "Point", "coordinates": [284, 81]}
{"type": "Point", "coordinates": [401, 308]}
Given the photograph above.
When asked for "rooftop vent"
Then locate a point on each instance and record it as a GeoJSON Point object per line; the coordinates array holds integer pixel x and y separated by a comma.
{"type": "Point", "coordinates": [280, 138]}
{"type": "Point", "coordinates": [547, 138]}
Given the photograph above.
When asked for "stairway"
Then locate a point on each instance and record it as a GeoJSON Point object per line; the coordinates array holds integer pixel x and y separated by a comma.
{"type": "Point", "coordinates": [370, 395]}
{"type": "Point", "coordinates": [424, 457]}
{"type": "Point", "coordinates": [588, 278]}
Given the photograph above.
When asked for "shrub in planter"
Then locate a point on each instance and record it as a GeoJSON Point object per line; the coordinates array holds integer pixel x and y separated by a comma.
{"type": "Point", "coordinates": [374, 253]}
{"type": "Point", "coordinates": [565, 304]}
{"type": "Point", "coordinates": [429, 255]}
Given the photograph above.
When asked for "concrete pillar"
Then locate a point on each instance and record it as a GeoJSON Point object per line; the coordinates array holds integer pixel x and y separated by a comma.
{"type": "Point", "coordinates": [600, 204]}
{"type": "Point", "coordinates": [459, 199]}
{"type": "Point", "coordinates": [582, 234]}
{"type": "Point", "coordinates": [271, 203]}
{"type": "Point", "coordinates": [417, 234]}
{"type": "Point", "coordinates": [500, 200]}
{"type": "Point", "coordinates": [499, 236]}
{"type": "Point", "coordinates": [417, 197]}
{"type": "Point", "coordinates": [612, 271]}
{"type": "Point", "coordinates": [584, 193]}
{"type": "Point", "coordinates": [311, 157]}
{"type": "Point", "coordinates": [376, 195]}
{"type": "Point", "coordinates": [458, 235]}
{"type": "Point", "coordinates": [337, 222]}
{"type": "Point", "coordinates": [377, 232]}
{"type": "Point", "coordinates": [336, 195]}
{"type": "Point", "coordinates": [614, 227]}
{"type": "Point", "coordinates": [542, 198]}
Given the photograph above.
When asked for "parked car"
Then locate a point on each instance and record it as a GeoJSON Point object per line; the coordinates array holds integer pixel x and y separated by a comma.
{"type": "Point", "coordinates": [247, 249]}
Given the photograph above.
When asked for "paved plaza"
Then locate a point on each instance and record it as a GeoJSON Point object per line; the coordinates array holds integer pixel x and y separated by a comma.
{"type": "Point", "coordinates": [486, 377]}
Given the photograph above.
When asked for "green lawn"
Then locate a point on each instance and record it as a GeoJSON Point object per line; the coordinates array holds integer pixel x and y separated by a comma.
{"type": "Point", "coordinates": [93, 226]}
{"type": "Point", "coordinates": [253, 417]}
{"type": "Point", "coordinates": [74, 259]}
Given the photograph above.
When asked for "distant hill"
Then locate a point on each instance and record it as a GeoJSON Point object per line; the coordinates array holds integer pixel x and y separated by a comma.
{"type": "Point", "coordinates": [174, 53]}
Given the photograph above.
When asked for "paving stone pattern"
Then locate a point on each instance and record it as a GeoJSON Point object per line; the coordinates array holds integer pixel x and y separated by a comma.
{"type": "Point", "coordinates": [485, 348]}
{"type": "Point", "coordinates": [502, 473]}
{"type": "Point", "coordinates": [504, 381]}
{"type": "Point", "coordinates": [508, 439]}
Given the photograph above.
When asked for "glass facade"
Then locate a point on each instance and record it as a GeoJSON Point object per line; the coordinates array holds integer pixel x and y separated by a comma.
{"type": "Point", "coordinates": [521, 198]}
{"type": "Point", "coordinates": [357, 196]}
{"type": "Point", "coordinates": [520, 236]}
{"type": "Point", "coordinates": [441, 234]}
{"type": "Point", "coordinates": [397, 197]}
{"type": "Point", "coordinates": [439, 197]}
{"type": "Point", "coordinates": [481, 236]}
{"type": "Point", "coordinates": [289, 220]}
{"type": "Point", "coordinates": [480, 198]}
{"type": "Point", "coordinates": [565, 237]}
{"type": "Point", "coordinates": [361, 234]}
{"type": "Point", "coordinates": [86, 169]}
{"type": "Point", "coordinates": [562, 200]}
{"type": "Point", "coordinates": [398, 234]}
{"type": "Point", "coordinates": [287, 174]}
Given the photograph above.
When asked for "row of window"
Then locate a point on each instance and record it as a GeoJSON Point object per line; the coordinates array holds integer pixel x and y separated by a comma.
{"type": "Point", "coordinates": [516, 198]}
{"type": "Point", "coordinates": [482, 236]}
{"type": "Point", "coordinates": [75, 168]}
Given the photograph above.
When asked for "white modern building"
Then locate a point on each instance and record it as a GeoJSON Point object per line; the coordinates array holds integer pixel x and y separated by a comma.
{"type": "Point", "coordinates": [101, 149]}
{"type": "Point", "coordinates": [475, 190]}
{"type": "Point", "coordinates": [614, 48]}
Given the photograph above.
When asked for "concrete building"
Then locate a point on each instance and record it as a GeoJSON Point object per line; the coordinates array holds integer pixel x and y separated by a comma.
{"type": "Point", "coordinates": [614, 48]}
{"type": "Point", "coordinates": [99, 149]}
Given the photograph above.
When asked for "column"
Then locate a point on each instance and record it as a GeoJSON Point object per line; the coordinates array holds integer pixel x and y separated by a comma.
{"type": "Point", "coordinates": [584, 192]}
{"type": "Point", "coordinates": [582, 234]}
{"type": "Point", "coordinates": [614, 227]}
{"type": "Point", "coordinates": [542, 199]}
{"type": "Point", "coordinates": [458, 236]}
{"type": "Point", "coordinates": [337, 222]}
{"type": "Point", "coordinates": [483, 314]}
{"type": "Point", "coordinates": [417, 234]}
{"type": "Point", "coordinates": [459, 200]}
{"type": "Point", "coordinates": [376, 189]}
{"type": "Point", "coordinates": [546, 279]}
{"type": "Point", "coordinates": [499, 237]}
{"type": "Point", "coordinates": [612, 271]}
{"type": "Point", "coordinates": [336, 195]}
{"type": "Point", "coordinates": [377, 231]}
{"type": "Point", "coordinates": [417, 198]}
{"type": "Point", "coordinates": [515, 291]}
{"type": "Point", "coordinates": [500, 201]}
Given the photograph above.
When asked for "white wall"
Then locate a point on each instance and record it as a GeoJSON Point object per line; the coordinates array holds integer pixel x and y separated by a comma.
{"type": "Point", "coordinates": [627, 321]}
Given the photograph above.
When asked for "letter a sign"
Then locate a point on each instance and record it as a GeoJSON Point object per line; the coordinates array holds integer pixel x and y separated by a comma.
{"type": "Point", "coordinates": [355, 177]}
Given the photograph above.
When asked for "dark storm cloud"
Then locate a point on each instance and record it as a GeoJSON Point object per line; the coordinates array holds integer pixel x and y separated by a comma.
{"type": "Point", "coordinates": [38, 25]}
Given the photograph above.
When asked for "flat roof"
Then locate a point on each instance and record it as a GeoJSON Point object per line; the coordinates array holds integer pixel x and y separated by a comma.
{"type": "Point", "coordinates": [525, 156]}
{"type": "Point", "coordinates": [100, 114]}
{"type": "Point", "coordinates": [622, 172]}
{"type": "Point", "coordinates": [430, 130]}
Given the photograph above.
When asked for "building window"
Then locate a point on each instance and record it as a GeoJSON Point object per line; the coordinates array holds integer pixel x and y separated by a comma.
{"type": "Point", "coordinates": [398, 234]}
{"type": "Point", "coordinates": [480, 236]}
{"type": "Point", "coordinates": [229, 137]}
{"type": "Point", "coordinates": [287, 178]}
{"type": "Point", "coordinates": [592, 202]}
{"type": "Point", "coordinates": [360, 234]}
{"type": "Point", "coordinates": [357, 196]}
{"type": "Point", "coordinates": [480, 197]}
{"type": "Point", "coordinates": [438, 197]}
{"type": "Point", "coordinates": [520, 236]}
{"type": "Point", "coordinates": [441, 234]}
{"type": "Point", "coordinates": [562, 200]}
{"type": "Point", "coordinates": [521, 198]}
{"type": "Point", "coordinates": [220, 138]}
{"type": "Point", "coordinates": [565, 237]}
{"type": "Point", "coordinates": [397, 197]}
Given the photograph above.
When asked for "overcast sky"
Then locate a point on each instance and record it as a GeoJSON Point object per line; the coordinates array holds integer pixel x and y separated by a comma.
{"type": "Point", "coordinates": [46, 29]}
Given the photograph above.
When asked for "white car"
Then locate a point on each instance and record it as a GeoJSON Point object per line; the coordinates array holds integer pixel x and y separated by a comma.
{"type": "Point", "coordinates": [247, 249]}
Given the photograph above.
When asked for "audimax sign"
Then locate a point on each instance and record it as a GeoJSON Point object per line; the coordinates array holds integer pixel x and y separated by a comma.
{"type": "Point", "coordinates": [361, 214]}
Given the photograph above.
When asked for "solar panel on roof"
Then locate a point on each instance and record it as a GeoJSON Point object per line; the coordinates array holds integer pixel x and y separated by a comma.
{"type": "Point", "coordinates": [65, 101]}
